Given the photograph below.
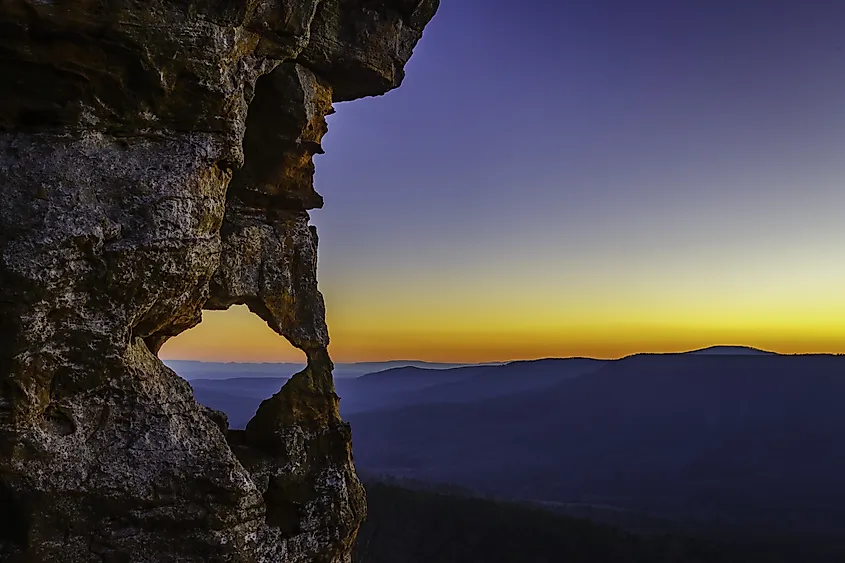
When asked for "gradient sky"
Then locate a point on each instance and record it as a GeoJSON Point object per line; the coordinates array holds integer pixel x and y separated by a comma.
{"type": "Point", "coordinates": [584, 177]}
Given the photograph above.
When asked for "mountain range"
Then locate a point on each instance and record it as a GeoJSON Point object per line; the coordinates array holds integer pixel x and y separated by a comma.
{"type": "Point", "coordinates": [191, 369]}
{"type": "Point", "coordinates": [725, 438]}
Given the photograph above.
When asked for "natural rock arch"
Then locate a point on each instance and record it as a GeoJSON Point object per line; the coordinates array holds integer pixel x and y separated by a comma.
{"type": "Point", "coordinates": [156, 159]}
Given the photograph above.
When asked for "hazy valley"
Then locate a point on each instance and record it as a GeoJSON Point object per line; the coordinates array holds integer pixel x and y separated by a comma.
{"type": "Point", "coordinates": [723, 442]}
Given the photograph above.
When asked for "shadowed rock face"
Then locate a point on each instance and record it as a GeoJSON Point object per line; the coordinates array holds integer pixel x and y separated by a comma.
{"type": "Point", "coordinates": [155, 160]}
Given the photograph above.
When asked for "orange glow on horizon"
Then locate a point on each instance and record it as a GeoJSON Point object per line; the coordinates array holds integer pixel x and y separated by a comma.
{"type": "Point", "coordinates": [239, 336]}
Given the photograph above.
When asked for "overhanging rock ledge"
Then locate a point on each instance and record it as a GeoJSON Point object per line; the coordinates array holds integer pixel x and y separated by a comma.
{"type": "Point", "coordinates": [155, 160]}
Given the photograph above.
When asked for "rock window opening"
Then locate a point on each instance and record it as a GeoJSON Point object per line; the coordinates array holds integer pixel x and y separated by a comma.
{"type": "Point", "coordinates": [233, 361]}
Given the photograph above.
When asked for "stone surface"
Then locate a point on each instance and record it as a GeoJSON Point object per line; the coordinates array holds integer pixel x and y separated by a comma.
{"type": "Point", "coordinates": [155, 160]}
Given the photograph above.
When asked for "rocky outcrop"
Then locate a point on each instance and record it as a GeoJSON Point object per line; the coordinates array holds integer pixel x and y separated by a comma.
{"type": "Point", "coordinates": [155, 160]}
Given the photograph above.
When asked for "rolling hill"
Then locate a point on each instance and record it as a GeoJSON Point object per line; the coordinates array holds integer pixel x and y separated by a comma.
{"type": "Point", "coordinates": [745, 440]}
{"type": "Point", "coordinates": [726, 438]}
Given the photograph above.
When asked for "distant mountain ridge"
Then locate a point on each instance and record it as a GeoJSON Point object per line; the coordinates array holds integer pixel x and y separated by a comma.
{"type": "Point", "coordinates": [743, 440]}
{"type": "Point", "coordinates": [393, 387]}
{"type": "Point", "coordinates": [731, 351]}
{"type": "Point", "coordinates": [195, 369]}
{"type": "Point", "coordinates": [730, 435]}
{"type": "Point", "coordinates": [238, 388]}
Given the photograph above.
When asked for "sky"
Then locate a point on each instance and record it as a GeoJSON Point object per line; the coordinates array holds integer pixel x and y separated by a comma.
{"type": "Point", "coordinates": [584, 177]}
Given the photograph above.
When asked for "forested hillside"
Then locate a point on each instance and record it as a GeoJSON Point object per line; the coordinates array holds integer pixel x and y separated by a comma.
{"type": "Point", "coordinates": [418, 526]}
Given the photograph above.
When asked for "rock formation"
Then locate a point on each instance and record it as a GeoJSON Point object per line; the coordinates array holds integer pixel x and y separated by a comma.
{"type": "Point", "coordinates": [155, 160]}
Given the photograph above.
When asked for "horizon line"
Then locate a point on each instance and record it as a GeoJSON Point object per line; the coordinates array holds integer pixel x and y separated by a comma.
{"type": "Point", "coordinates": [468, 363]}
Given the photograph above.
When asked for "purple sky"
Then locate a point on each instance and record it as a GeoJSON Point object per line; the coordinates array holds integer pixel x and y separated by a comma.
{"type": "Point", "coordinates": [594, 176]}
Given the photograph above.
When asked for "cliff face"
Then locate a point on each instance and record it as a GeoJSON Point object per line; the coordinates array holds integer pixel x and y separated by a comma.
{"type": "Point", "coordinates": [155, 160]}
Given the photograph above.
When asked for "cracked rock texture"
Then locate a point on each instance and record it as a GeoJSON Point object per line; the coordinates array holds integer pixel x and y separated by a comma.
{"type": "Point", "coordinates": [155, 160]}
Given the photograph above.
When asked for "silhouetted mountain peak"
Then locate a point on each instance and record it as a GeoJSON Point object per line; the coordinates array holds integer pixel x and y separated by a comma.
{"type": "Point", "coordinates": [413, 371]}
{"type": "Point", "coordinates": [731, 351]}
